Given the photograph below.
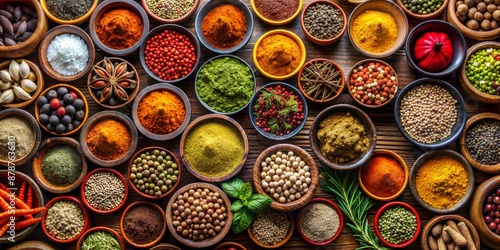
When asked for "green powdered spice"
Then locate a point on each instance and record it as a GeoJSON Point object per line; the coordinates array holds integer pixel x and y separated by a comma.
{"type": "Point", "coordinates": [100, 240]}
{"type": "Point", "coordinates": [61, 165]}
{"type": "Point", "coordinates": [225, 84]}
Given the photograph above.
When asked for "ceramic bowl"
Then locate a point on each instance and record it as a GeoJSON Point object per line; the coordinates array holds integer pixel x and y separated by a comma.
{"type": "Point", "coordinates": [161, 87]}
{"type": "Point", "coordinates": [469, 33]}
{"type": "Point", "coordinates": [100, 229]}
{"type": "Point", "coordinates": [476, 209]}
{"type": "Point", "coordinates": [39, 82]}
{"type": "Point", "coordinates": [170, 27]}
{"type": "Point", "coordinates": [228, 245]}
{"type": "Point", "coordinates": [276, 22]}
{"type": "Point", "coordinates": [278, 245]}
{"type": "Point", "coordinates": [37, 200]}
{"type": "Point", "coordinates": [97, 210]}
{"type": "Point", "coordinates": [431, 155]}
{"type": "Point", "coordinates": [467, 86]}
{"type": "Point", "coordinates": [303, 86]}
{"type": "Point", "coordinates": [109, 5]}
{"type": "Point", "coordinates": [309, 161]}
{"type": "Point", "coordinates": [156, 15]}
{"type": "Point", "coordinates": [143, 194]}
{"type": "Point", "coordinates": [65, 198]}
{"type": "Point", "coordinates": [283, 32]}
{"type": "Point", "coordinates": [29, 45]}
{"type": "Point", "coordinates": [312, 38]}
{"type": "Point", "coordinates": [355, 112]}
{"type": "Point", "coordinates": [268, 134]}
{"type": "Point", "coordinates": [207, 7]}
{"type": "Point", "coordinates": [228, 121]}
{"type": "Point", "coordinates": [379, 234]}
{"type": "Point", "coordinates": [456, 38]}
{"type": "Point", "coordinates": [107, 115]}
{"type": "Point", "coordinates": [148, 204]}
{"type": "Point", "coordinates": [165, 246]}
{"type": "Point", "coordinates": [47, 40]}
{"type": "Point", "coordinates": [38, 164]}
{"type": "Point", "coordinates": [426, 232]}
{"type": "Point", "coordinates": [423, 17]}
{"type": "Point", "coordinates": [76, 21]}
{"type": "Point", "coordinates": [339, 230]}
{"type": "Point", "coordinates": [388, 7]}
{"type": "Point", "coordinates": [471, 122]}
{"type": "Point", "coordinates": [36, 133]}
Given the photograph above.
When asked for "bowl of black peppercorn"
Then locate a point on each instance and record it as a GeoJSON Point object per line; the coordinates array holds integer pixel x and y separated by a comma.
{"type": "Point", "coordinates": [323, 22]}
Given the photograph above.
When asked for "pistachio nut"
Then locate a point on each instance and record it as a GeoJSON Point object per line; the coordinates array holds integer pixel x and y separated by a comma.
{"type": "Point", "coordinates": [28, 85]}
{"type": "Point", "coordinates": [21, 93]}
{"type": "Point", "coordinates": [7, 96]}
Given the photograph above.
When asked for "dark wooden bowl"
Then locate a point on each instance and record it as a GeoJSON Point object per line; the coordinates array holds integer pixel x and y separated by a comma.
{"type": "Point", "coordinates": [487, 237]}
{"type": "Point", "coordinates": [37, 165]}
{"type": "Point", "coordinates": [279, 244]}
{"type": "Point", "coordinates": [96, 210]}
{"type": "Point", "coordinates": [39, 82]}
{"type": "Point", "coordinates": [219, 118]}
{"type": "Point", "coordinates": [226, 245]}
{"type": "Point", "coordinates": [300, 85]}
{"type": "Point", "coordinates": [422, 17]}
{"type": "Point", "coordinates": [490, 169]}
{"type": "Point", "coordinates": [209, 241]}
{"type": "Point", "coordinates": [47, 39]}
{"type": "Point", "coordinates": [97, 229]}
{"type": "Point", "coordinates": [106, 115]}
{"type": "Point", "coordinates": [442, 218]}
{"type": "Point", "coordinates": [304, 199]}
{"type": "Point", "coordinates": [379, 234]}
{"type": "Point", "coordinates": [165, 246]}
{"type": "Point", "coordinates": [322, 41]}
{"type": "Point", "coordinates": [176, 20]}
{"type": "Point", "coordinates": [27, 47]}
{"type": "Point", "coordinates": [469, 33]}
{"type": "Point", "coordinates": [77, 21]}
{"type": "Point", "coordinates": [149, 204]}
{"type": "Point", "coordinates": [36, 131]}
{"type": "Point", "coordinates": [365, 120]}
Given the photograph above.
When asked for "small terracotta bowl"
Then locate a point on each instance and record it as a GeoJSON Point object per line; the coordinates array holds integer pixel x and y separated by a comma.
{"type": "Point", "coordinates": [339, 230]}
{"type": "Point", "coordinates": [302, 85]}
{"type": "Point", "coordinates": [86, 217]}
{"type": "Point", "coordinates": [96, 210]}
{"type": "Point", "coordinates": [423, 17]}
{"type": "Point", "coordinates": [47, 40]}
{"type": "Point", "coordinates": [228, 245]}
{"type": "Point", "coordinates": [426, 232]}
{"type": "Point", "coordinates": [76, 21]}
{"type": "Point", "coordinates": [379, 234]}
{"type": "Point", "coordinates": [274, 22]}
{"type": "Point", "coordinates": [148, 204]}
{"type": "Point", "coordinates": [165, 246]}
{"type": "Point", "coordinates": [278, 245]}
{"type": "Point", "coordinates": [469, 33]}
{"type": "Point", "coordinates": [153, 14]}
{"type": "Point", "coordinates": [37, 201]}
{"type": "Point", "coordinates": [39, 82]}
{"type": "Point", "coordinates": [102, 116]}
{"type": "Point", "coordinates": [100, 229]}
{"type": "Point", "coordinates": [312, 38]}
{"type": "Point", "coordinates": [476, 213]}
{"type": "Point", "coordinates": [14, 112]}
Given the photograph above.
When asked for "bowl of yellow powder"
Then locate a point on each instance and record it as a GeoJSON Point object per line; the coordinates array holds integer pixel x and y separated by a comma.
{"type": "Point", "coordinates": [442, 181]}
{"type": "Point", "coordinates": [214, 148]}
{"type": "Point", "coordinates": [377, 29]}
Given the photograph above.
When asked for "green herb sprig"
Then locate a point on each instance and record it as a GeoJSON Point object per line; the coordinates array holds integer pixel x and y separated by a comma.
{"type": "Point", "coordinates": [246, 204]}
{"type": "Point", "coordinates": [100, 240]}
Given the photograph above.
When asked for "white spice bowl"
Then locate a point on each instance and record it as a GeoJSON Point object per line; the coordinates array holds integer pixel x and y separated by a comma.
{"type": "Point", "coordinates": [85, 201]}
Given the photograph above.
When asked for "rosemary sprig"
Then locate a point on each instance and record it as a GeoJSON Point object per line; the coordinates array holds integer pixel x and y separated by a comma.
{"type": "Point", "coordinates": [321, 80]}
{"type": "Point", "coordinates": [353, 203]}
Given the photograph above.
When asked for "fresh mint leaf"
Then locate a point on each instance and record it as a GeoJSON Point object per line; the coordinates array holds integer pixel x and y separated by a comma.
{"type": "Point", "coordinates": [258, 202]}
{"type": "Point", "coordinates": [233, 187]}
{"type": "Point", "coordinates": [236, 206]}
{"type": "Point", "coordinates": [241, 220]}
{"type": "Point", "coordinates": [245, 191]}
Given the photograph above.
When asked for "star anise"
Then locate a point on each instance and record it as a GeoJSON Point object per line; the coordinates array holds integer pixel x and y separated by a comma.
{"type": "Point", "coordinates": [113, 80]}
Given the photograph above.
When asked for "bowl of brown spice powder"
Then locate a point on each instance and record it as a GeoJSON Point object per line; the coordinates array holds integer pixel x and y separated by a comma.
{"type": "Point", "coordinates": [143, 224]}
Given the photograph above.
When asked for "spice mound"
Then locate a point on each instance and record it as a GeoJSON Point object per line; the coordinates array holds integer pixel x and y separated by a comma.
{"type": "Point", "coordinates": [224, 26]}
{"type": "Point", "coordinates": [170, 9]}
{"type": "Point", "coordinates": [323, 21]}
{"type": "Point", "coordinates": [109, 140]}
{"type": "Point", "coordinates": [143, 224]}
{"type": "Point", "coordinates": [374, 31]}
{"type": "Point", "coordinates": [482, 142]}
{"type": "Point", "coordinates": [67, 54]}
{"type": "Point", "coordinates": [225, 84]}
{"type": "Point", "coordinates": [319, 222]}
{"type": "Point", "coordinates": [441, 182]}
{"type": "Point", "coordinates": [61, 165]}
{"type": "Point", "coordinates": [383, 176]}
{"type": "Point", "coordinates": [68, 9]}
{"type": "Point", "coordinates": [342, 137]}
{"type": "Point", "coordinates": [321, 80]}
{"type": "Point", "coordinates": [17, 82]}
{"type": "Point", "coordinates": [100, 240]}
{"type": "Point", "coordinates": [480, 67]}
{"type": "Point", "coordinates": [18, 22]}
{"type": "Point", "coordinates": [119, 28]}
{"type": "Point", "coordinates": [104, 191]}
{"type": "Point", "coordinates": [373, 83]}
{"type": "Point", "coordinates": [278, 54]}
{"type": "Point", "coordinates": [64, 220]}
{"type": "Point", "coordinates": [397, 225]}
{"type": "Point", "coordinates": [270, 226]}
{"type": "Point", "coordinates": [277, 10]}
{"type": "Point", "coordinates": [214, 148]}
{"type": "Point", "coordinates": [16, 129]}
{"type": "Point", "coordinates": [161, 112]}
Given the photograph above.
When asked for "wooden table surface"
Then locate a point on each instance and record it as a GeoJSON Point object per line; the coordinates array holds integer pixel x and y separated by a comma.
{"type": "Point", "coordinates": [388, 135]}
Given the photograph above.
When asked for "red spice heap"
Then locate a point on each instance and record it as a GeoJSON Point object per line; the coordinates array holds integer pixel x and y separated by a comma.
{"type": "Point", "coordinates": [277, 10]}
{"type": "Point", "coordinates": [224, 26]}
{"type": "Point", "coordinates": [383, 176]}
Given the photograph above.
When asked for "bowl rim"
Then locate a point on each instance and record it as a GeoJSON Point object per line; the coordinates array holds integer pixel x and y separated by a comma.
{"type": "Point", "coordinates": [282, 32]}
{"type": "Point", "coordinates": [417, 16]}
{"type": "Point", "coordinates": [276, 23]}
{"type": "Point", "coordinates": [149, 204]}
{"type": "Point", "coordinates": [76, 21]}
{"type": "Point", "coordinates": [395, 204]}
{"type": "Point", "coordinates": [176, 20]}
{"type": "Point", "coordinates": [480, 194]}
{"type": "Point", "coordinates": [96, 210]}
{"type": "Point", "coordinates": [469, 33]}
{"type": "Point", "coordinates": [204, 104]}
{"type": "Point", "coordinates": [440, 218]}
{"type": "Point", "coordinates": [312, 38]}
{"type": "Point", "coordinates": [96, 229]}
{"type": "Point", "coordinates": [319, 60]}
{"type": "Point", "coordinates": [40, 82]}
{"type": "Point", "coordinates": [332, 205]}
{"type": "Point", "coordinates": [279, 244]}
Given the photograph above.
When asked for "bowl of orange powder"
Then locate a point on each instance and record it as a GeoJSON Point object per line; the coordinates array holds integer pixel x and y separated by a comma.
{"type": "Point", "coordinates": [161, 111]}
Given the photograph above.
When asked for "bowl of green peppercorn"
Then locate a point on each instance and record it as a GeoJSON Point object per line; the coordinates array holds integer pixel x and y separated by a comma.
{"type": "Point", "coordinates": [397, 224]}
{"type": "Point", "coordinates": [423, 9]}
{"type": "Point", "coordinates": [323, 22]}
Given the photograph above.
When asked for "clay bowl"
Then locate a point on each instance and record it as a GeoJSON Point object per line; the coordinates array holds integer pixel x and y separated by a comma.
{"type": "Point", "coordinates": [306, 157]}
{"type": "Point", "coordinates": [95, 209]}
{"type": "Point", "coordinates": [278, 245]}
{"type": "Point", "coordinates": [37, 201]}
{"type": "Point", "coordinates": [161, 87]}
{"type": "Point", "coordinates": [207, 7]}
{"type": "Point", "coordinates": [149, 204]}
{"type": "Point", "coordinates": [38, 162]}
{"type": "Point", "coordinates": [402, 163]}
{"type": "Point", "coordinates": [356, 100]}
{"type": "Point", "coordinates": [165, 246]}
{"type": "Point", "coordinates": [108, 5]}
{"type": "Point", "coordinates": [27, 47]}
{"type": "Point", "coordinates": [467, 86]}
{"type": "Point", "coordinates": [227, 245]}
{"type": "Point", "coordinates": [208, 242]}
{"type": "Point", "coordinates": [423, 17]}
{"type": "Point", "coordinates": [301, 84]}
{"type": "Point", "coordinates": [47, 39]}
{"type": "Point", "coordinates": [354, 111]}
{"type": "Point", "coordinates": [471, 122]}
{"type": "Point", "coordinates": [181, 19]}
{"type": "Point", "coordinates": [36, 131]}
{"type": "Point", "coordinates": [102, 116]}
{"type": "Point", "coordinates": [76, 21]}
{"type": "Point", "coordinates": [469, 33]}
{"type": "Point", "coordinates": [426, 232]}
{"type": "Point", "coordinates": [455, 37]}
{"type": "Point", "coordinates": [141, 193]}
{"type": "Point", "coordinates": [378, 233]}
{"type": "Point", "coordinates": [317, 40]}
{"type": "Point", "coordinates": [339, 230]}
{"type": "Point", "coordinates": [390, 8]}
{"type": "Point", "coordinates": [274, 22]}
{"type": "Point", "coordinates": [39, 82]}
{"type": "Point", "coordinates": [100, 229]}
{"type": "Point", "coordinates": [430, 155]}
{"type": "Point", "coordinates": [488, 186]}
{"type": "Point", "coordinates": [86, 217]}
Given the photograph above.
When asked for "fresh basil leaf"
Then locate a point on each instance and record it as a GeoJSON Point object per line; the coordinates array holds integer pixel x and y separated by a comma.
{"type": "Point", "coordinates": [246, 191]}
{"type": "Point", "coordinates": [237, 205]}
{"type": "Point", "coordinates": [232, 187]}
{"type": "Point", "coordinates": [241, 220]}
{"type": "Point", "coordinates": [258, 202]}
